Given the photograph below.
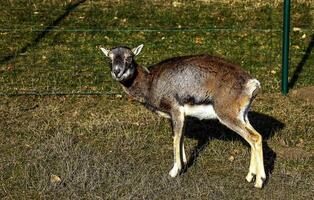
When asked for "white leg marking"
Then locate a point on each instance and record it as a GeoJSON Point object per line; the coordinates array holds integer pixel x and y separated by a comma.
{"type": "Point", "coordinates": [183, 155]}
{"type": "Point", "coordinates": [177, 157]}
{"type": "Point", "coordinates": [260, 173]}
{"type": "Point", "coordinates": [252, 169]}
{"type": "Point", "coordinates": [178, 128]}
{"type": "Point", "coordinates": [174, 171]}
{"type": "Point", "coordinates": [256, 163]}
{"type": "Point", "coordinates": [259, 165]}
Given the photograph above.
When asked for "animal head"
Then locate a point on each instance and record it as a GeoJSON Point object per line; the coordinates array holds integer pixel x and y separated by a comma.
{"type": "Point", "coordinates": [122, 62]}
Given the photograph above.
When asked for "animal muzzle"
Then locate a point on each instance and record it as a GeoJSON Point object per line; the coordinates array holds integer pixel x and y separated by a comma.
{"type": "Point", "coordinates": [118, 72]}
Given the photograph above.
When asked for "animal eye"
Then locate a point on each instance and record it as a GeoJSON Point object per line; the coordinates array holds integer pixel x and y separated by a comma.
{"type": "Point", "coordinates": [128, 59]}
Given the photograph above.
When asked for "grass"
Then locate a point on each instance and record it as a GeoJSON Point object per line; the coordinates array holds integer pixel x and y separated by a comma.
{"type": "Point", "coordinates": [65, 58]}
{"type": "Point", "coordinates": [111, 148]}
{"type": "Point", "coordinates": [108, 147]}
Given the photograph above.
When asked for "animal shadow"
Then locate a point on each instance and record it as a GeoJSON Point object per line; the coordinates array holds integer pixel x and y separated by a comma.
{"type": "Point", "coordinates": [204, 131]}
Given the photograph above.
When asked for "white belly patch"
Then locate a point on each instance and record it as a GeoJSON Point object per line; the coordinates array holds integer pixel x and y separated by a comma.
{"type": "Point", "coordinates": [200, 111]}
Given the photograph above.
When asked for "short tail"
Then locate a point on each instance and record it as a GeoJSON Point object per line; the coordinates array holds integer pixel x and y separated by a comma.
{"type": "Point", "coordinates": [252, 87]}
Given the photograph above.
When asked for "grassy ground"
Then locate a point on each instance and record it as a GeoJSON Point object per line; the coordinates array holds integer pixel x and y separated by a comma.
{"type": "Point", "coordinates": [51, 47]}
{"type": "Point", "coordinates": [107, 147]}
{"type": "Point", "coordinates": [111, 148]}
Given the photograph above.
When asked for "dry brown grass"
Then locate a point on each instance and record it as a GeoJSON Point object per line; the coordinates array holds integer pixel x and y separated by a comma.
{"type": "Point", "coordinates": [111, 148]}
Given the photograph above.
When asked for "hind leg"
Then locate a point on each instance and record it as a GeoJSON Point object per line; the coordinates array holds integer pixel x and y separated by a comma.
{"type": "Point", "coordinates": [252, 169]}
{"type": "Point", "coordinates": [245, 130]}
{"type": "Point", "coordinates": [260, 170]}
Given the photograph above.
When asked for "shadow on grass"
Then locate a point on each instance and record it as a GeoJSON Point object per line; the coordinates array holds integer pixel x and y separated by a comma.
{"type": "Point", "coordinates": [69, 8]}
{"type": "Point", "coordinates": [204, 131]}
{"type": "Point", "coordinates": [300, 66]}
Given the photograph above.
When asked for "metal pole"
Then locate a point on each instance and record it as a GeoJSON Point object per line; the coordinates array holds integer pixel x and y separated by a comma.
{"type": "Point", "coordinates": [285, 47]}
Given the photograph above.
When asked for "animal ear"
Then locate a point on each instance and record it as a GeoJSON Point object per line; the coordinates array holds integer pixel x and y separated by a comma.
{"type": "Point", "coordinates": [105, 51]}
{"type": "Point", "coordinates": [137, 50]}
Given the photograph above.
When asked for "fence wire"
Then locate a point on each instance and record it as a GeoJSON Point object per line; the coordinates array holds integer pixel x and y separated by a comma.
{"type": "Point", "coordinates": [52, 47]}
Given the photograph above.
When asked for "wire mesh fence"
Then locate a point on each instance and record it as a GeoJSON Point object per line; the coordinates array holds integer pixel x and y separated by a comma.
{"type": "Point", "coordinates": [52, 47]}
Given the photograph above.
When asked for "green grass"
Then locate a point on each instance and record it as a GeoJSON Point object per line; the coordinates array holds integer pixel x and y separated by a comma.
{"type": "Point", "coordinates": [108, 147]}
{"type": "Point", "coordinates": [67, 58]}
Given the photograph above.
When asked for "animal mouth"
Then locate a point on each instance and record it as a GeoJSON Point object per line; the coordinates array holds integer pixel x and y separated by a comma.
{"type": "Point", "coordinates": [118, 77]}
{"type": "Point", "coordinates": [125, 75]}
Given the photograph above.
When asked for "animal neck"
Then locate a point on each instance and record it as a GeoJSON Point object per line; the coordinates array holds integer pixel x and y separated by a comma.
{"type": "Point", "coordinates": [138, 86]}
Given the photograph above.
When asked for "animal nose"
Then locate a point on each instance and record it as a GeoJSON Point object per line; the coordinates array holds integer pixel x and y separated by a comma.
{"type": "Point", "coordinates": [116, 71]}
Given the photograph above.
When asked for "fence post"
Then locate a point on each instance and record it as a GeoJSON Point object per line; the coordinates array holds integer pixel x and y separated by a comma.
{"type": "Point", "coordinates": [285, 47]}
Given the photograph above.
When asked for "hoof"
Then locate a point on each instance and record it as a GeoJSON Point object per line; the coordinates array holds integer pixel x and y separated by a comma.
{"type": "Point", "coordinates": [249, 177]}
{"type": "Point", "coordinates": [174, 171]}
{"type": "Point", "coordinates": [185, 161]}
{"type": "Point", "coordinates": [259, 182]}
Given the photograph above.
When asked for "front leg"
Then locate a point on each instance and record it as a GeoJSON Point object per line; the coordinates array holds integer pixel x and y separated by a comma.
{"type": "Point", "coordinates": [177, 117]}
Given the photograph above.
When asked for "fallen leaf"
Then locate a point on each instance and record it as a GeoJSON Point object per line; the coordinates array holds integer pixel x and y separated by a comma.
{"type": "Point", "coordinates": [176, 4]}
{"type": "Point", "coordinates": [198, 40]}
{"type": "Point", "coordinates": [295, 29]}
{"type": "Point", "coordinates": [54, 179]}
{"type": "Point", "coordinates": [10, 67]}
{"type": "Point", "coordinates": [231, 158]}
{"type": "Point", "coordinates": [300, 143]}
{"type": "Point", "coordinates": [296, 46]}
